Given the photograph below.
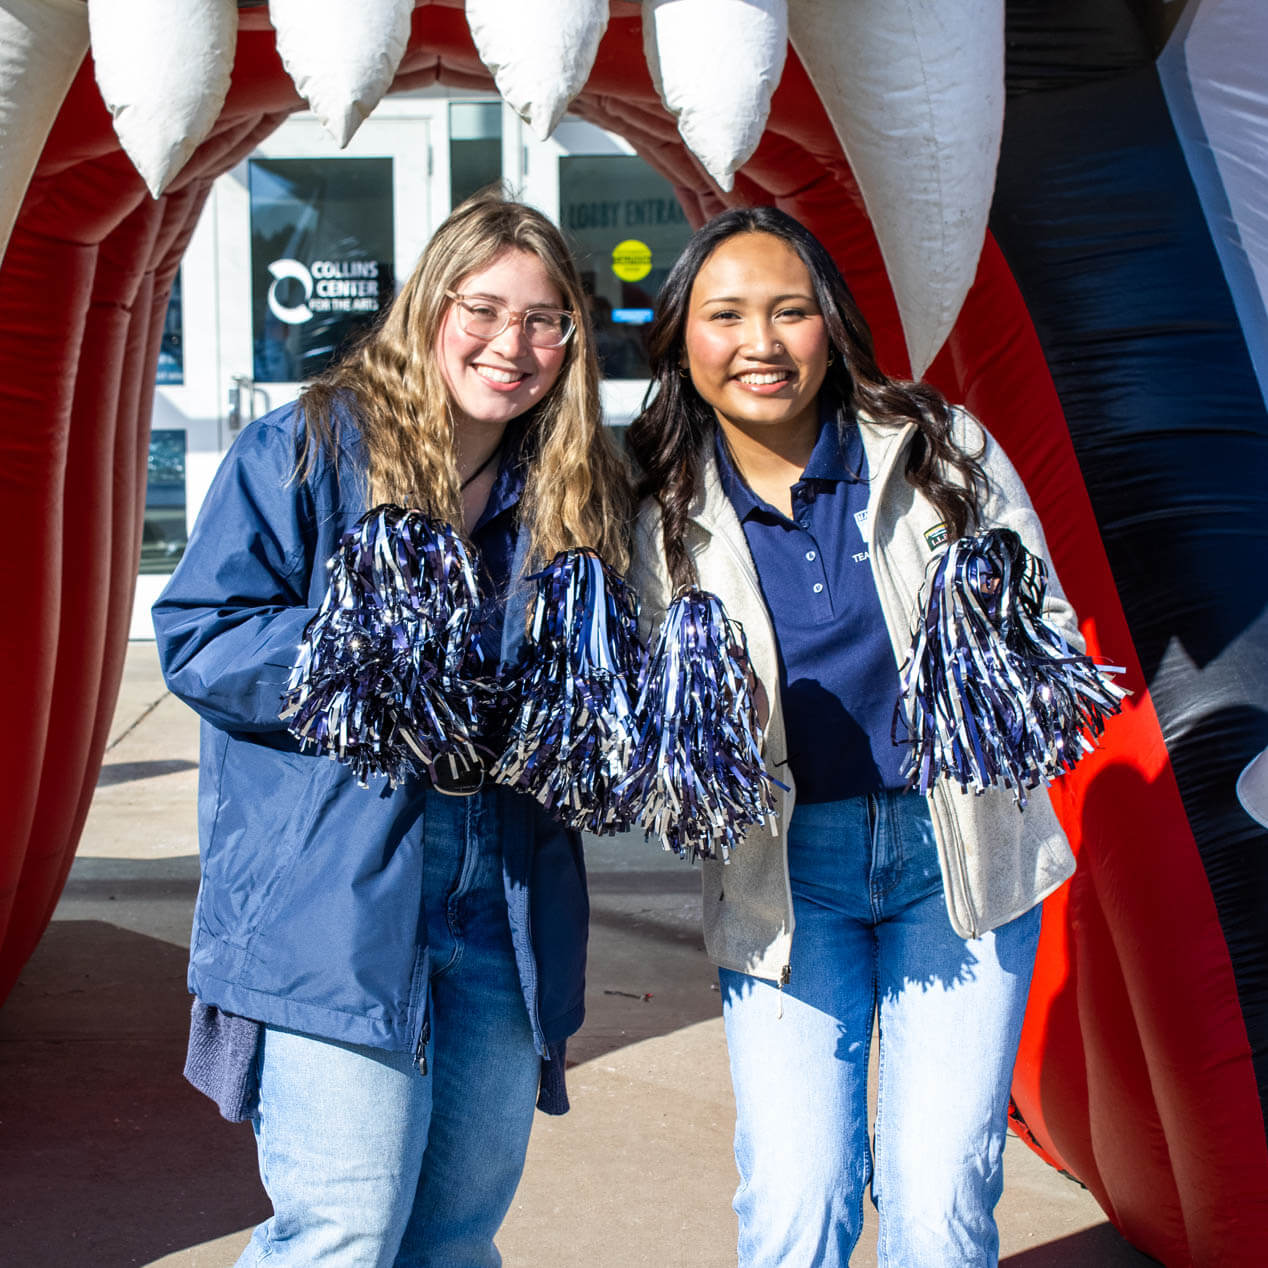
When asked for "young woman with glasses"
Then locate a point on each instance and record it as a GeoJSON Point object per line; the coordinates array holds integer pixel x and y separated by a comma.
{"type": "Point", "coordinates": [385, 977]}
{"type": "Point", "coordinates": [784, 472]}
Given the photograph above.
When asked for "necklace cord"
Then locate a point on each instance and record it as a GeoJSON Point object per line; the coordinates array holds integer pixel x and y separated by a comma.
{"type": "Point", "coordinates": [482, 468]}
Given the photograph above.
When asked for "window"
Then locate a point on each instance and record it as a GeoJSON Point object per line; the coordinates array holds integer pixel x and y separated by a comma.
{"type": "Point", "coordinates": [171, 362]}
{"type": "Point", "coordinates": [627, 229]}
{"type": "Point", "coordinates": [322, 259]}
{"type": "Point", "coordinates": [475, 147]}
{"type": "Point", "coordinates": [163, 529]}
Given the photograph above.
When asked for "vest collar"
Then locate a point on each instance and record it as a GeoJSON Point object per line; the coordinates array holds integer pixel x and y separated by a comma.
{"type": "Point", "coordinates": [711, 509]}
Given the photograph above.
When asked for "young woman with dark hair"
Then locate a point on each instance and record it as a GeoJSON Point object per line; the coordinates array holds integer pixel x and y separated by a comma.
{"type": "Point", "coordinates": [385, 977]}
{"type": "Point", "coordinates": [785, 473]}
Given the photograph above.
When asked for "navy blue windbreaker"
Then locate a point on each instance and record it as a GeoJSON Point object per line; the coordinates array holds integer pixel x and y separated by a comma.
{"type": "Point", "coordinates": [309, 914]}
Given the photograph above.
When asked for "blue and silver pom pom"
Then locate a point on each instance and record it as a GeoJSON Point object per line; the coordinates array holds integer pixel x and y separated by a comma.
{"type": "Point", "coordinates": [386, 679]}
{"type": "Point", "coordinates": [991, 692]}
{"type": "Point", "coordinates": [572, 726]}
{"type": "Point", "coordinates": [697, 779]}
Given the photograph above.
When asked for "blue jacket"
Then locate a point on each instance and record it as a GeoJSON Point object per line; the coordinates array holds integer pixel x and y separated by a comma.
{"type": "Point", "coordinates": [308, 911]}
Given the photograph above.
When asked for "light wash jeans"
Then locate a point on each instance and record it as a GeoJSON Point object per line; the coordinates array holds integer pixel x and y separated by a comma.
{"type": "Point", "coordinates": [872, 935]}
{"type": "Point", "coordinates": [368, 1161]}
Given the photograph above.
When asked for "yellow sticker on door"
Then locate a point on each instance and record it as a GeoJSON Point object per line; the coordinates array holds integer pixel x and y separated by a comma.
{"type": "Point", "coordinates": [631, 260]}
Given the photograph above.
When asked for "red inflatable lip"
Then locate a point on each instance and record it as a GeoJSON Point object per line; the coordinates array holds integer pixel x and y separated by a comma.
{"type": "Point", "coordinates": [1116, 1082]}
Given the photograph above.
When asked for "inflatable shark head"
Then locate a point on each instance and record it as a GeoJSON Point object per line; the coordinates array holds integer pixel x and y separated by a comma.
{"type": "Point", "coordinates": [914, 93]}
{"type": "Point", "coordinates": [1106, 330]}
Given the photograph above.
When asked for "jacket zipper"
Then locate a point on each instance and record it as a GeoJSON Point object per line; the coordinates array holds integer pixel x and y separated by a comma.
{"type": "Point", "coordinates": [420, 1051]}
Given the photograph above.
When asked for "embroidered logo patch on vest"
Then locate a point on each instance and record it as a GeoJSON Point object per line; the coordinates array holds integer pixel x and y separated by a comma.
{"type": "Point", "coordinates": [936, 536]}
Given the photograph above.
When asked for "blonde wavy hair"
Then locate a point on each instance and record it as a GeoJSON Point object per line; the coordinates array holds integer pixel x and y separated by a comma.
{"type": "Point", "coordinates": [577, 491]}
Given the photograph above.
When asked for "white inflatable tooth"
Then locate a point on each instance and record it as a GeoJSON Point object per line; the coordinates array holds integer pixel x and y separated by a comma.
{"type": "Point", "coordinates": [163, 68]}
{"type": "Point", "coordinates": [42, 43]}
{"type": "Point", "coordinates": [341, 55]}
{"type": "Point", "coordinates": [715, 64]}
{"type": "Point", "coordinates": [539, 52]}
{"type": "Point", "coordinates": [915, 92]}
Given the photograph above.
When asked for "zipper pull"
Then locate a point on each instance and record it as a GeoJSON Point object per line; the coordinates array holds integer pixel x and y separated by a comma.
{"type": "Point", "coordinates": [785, 976]}
{"type": "Point", "coordinates": [420, 1053]}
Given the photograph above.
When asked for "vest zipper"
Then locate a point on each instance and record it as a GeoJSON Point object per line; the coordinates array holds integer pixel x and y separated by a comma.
{"type": "Point", "coordinates": [785, 974]}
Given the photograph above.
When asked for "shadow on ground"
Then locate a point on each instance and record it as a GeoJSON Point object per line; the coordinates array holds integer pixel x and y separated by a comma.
{"type": "Point", "coordinates": [109, 1158]}
{"type": "Point", "coordinates": [647, 974]}
{"type": "Point", "coordinates": [127, 772]}
{"type": "Point", "coordinates": [1099, 1245]}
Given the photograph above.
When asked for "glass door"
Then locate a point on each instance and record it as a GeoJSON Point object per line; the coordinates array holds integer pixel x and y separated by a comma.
{"type": "Point", "coordinates": [301, 245]}
{"type": "Point", "coordinates": [298, 249]}
{"type": "Point", "coordinates": [625, 227]}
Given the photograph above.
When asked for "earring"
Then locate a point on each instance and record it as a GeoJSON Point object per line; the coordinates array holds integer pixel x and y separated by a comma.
{"type": "Point", "coordinates": [832, 356]}
{"type": "Point", "coordinates": [684, 372]}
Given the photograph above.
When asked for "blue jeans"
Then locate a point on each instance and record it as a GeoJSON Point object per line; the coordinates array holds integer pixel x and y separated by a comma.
{"type": "Point", "coordinates": [369, 1161]}
{"type": "Point", "coordinates": [872, 937]}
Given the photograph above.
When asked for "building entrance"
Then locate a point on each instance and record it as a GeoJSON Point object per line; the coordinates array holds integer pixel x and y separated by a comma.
{"type": "Point", "coordinates": [301, 246]}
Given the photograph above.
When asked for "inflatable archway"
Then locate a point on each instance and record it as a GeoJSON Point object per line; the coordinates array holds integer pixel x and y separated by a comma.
{"type": "Point", "coordinates": [1095, 328]}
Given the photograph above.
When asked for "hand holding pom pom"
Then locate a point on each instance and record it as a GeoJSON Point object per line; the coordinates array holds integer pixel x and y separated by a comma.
{"type": "Point", "coordinates": [697, 776]}
{"type": "Point", "coordinates": [992, 693]}
{"type": "Point", "coordinates": [572, 728]}
{"type": "Point", "coordinates": [385, 677]}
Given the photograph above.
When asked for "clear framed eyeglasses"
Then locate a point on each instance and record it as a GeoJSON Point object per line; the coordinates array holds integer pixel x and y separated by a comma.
{"type": "Point", "coordinates": [486, 319]}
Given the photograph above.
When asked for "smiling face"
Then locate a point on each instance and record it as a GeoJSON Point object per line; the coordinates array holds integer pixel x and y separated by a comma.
{"type": "Point", "coordinates": [492, 381]}
{"type": "Point", "coordinates": [756, 344]}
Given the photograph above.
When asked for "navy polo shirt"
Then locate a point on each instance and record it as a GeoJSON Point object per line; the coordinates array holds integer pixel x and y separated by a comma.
{"type": "Point", "coordinates": [838, 681]}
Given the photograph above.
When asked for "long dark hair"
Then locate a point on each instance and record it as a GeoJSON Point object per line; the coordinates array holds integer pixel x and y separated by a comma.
{"type": "Point", "coordinates": [668, 436]}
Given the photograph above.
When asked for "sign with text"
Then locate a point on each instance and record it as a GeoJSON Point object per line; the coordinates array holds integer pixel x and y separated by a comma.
{"type": "Point", "coordinates": [322, 259]}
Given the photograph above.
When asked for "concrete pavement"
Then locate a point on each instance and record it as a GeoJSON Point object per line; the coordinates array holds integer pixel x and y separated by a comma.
{"type": "Point", "coordinates": [108, 1159]}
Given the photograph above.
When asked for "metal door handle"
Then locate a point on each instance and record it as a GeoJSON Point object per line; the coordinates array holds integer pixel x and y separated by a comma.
{"type": "Point", "coordinates": [243, 394]}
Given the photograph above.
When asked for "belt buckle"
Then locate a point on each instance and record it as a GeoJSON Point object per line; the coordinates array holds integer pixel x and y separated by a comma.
{"type": "Point", "coordinates": [455, 778]}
